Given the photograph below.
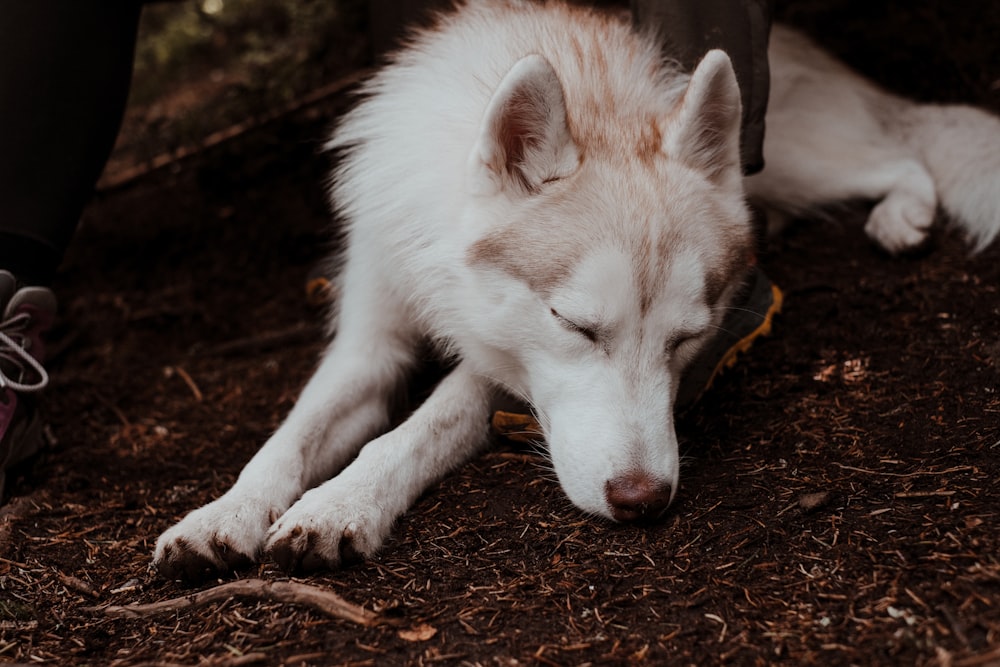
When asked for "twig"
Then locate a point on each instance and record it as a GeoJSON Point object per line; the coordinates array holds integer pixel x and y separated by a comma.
{"type": "Point", "coordinates": [299, 333]}
{"type": "Point", "coordinates": [923, 494]}
{"type": "Point", "coordinates": [77, 584]}
{"type": "Point", "coordinates": [918, 473]}
{"type": "Point", "coordinates": [989, 658]}
{"type": "Point", "coordinates": [188, 380]}
{"type": "Point", "coordinates": [956, 625]}
{"type": "Point", "coordinates": [113, 182]}
{"type": "Point", "coordinates": [291, 592]}
{"type": "Point", "coordinates": [226, 661]}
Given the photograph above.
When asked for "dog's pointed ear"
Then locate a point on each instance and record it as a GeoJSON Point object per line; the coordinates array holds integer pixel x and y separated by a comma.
{"type": "Point", "coordinates": [704, 129]}
{"type": "Point", "coordinates": [524, 140]}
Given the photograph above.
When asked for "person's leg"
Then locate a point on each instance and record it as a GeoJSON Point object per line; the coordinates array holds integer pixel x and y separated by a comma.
{"type": "Point", "coordinates": [389, 20]}
{"type": "Point", "coordinates": [65, 67]}
{"type": "Point", "coordinates": [691, 28]}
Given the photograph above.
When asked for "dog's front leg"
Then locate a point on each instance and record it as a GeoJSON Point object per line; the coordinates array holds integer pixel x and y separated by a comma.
{"type": "Point", "coordinates": [344, 405]}
{"type": "Point", "coordinates": [352, 514]}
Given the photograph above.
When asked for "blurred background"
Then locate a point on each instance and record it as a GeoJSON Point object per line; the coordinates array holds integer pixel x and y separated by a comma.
{"type": "Point", "coordinates": [207, 69]}
{"type": "Point", "coordinates": [208, 66]}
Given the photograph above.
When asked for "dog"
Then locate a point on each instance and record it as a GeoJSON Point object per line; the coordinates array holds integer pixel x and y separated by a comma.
{"type": "Point", "coordinates": [535, 190]}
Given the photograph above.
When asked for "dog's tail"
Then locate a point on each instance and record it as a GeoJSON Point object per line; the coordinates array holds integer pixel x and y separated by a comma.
{"type": "Point", "coordinates": [960, 147]}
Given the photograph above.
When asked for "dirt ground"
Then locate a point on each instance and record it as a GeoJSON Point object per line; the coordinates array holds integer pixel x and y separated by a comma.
{"type": "Point", "coordinates": [839, 502]}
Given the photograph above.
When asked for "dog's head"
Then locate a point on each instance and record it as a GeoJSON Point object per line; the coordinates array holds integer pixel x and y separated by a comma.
{"type": "Point", "coordinates": [606, 253]}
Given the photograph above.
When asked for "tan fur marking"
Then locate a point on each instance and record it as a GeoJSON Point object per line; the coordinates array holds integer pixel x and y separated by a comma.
{"type": "Point", "coordinates": [579, 53]}
{"type": "Point", "coordinates": [645, 273]}
{"type": "Point", "coordinates": [650, 143]}
{"type": "Point", "coordinates": [736, 263]}
{"type": "Point", "coordinates": [527, 255]}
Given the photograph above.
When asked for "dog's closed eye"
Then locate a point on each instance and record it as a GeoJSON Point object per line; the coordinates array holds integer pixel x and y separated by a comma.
{"type": "Point", "coordinates": [589, 332]}
{"type": "Point", "coordinates": [681, 342]}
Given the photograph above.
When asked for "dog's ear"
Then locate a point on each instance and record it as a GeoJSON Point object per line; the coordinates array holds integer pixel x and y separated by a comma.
{"type": "Point", "coordinates": [524, 140]}
{"type": "Point", "coordinates": [704, 129]}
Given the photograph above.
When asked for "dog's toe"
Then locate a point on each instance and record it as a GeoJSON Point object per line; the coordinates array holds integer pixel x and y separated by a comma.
{"type": "Point", "coordinates": [224, 535]}
{"type": "Point", "coordinates": [301, 550]}
{"type": "Point", "coordinates": [348, 552]}
{"type": "Point", "coordinates": [180, 560]}
{"type": "Point", "coordinates": [900, 223]}
{"type": "Point", "coordinates": [313, 561]}
{"type": "Point", "coordinates": [231, 556]}
{"type": "Point", "coordinates": [320, 533]}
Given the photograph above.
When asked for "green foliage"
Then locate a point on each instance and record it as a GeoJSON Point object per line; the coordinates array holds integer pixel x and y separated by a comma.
{"type": "Point", "coordinates": [239, 58]}
{"type": "Point", "coordinates": [176, 37]}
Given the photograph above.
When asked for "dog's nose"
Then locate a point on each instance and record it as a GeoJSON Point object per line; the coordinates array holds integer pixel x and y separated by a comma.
{"type": "Point", "coordinates": [637, 496]}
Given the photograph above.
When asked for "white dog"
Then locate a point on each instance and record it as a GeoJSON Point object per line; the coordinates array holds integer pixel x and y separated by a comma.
{"type": "Point", "coordinates": [534, 190]}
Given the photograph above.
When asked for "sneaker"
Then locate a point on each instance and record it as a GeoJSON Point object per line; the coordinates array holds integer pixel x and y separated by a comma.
{"type": "Point", "coordinates": [741, 326]}
{"type": "Point", "coordinates": [25, 315]}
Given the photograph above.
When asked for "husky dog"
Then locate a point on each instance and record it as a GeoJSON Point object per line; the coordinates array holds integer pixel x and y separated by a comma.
{"type": "Point", "coordinates": [534, 190]}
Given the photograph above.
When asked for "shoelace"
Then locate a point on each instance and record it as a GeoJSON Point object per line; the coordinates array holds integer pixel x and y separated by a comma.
{"type": "Point", "coordinates": [14, 354]}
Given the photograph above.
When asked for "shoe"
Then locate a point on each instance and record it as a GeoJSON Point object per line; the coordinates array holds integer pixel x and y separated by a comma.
{"type": "Point", "coordinates": [25, 315]}
{"type": "Point", "coordinates": [744, 322]}
{"type": "Point", "coordinates": [742, 325]}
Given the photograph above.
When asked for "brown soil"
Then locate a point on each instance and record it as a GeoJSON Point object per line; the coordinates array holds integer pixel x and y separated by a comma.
{"type": "Point", "coordinates": [839, 500]}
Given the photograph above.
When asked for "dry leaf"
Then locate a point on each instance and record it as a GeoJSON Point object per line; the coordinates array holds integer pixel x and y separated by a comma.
{"type": "Point", "coordinates": [516, 426]}
{"type": "Point", "coordinates": [418, 633]}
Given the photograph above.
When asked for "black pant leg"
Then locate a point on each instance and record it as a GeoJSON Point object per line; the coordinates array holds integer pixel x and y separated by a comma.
{"type": "Point", "coordinates": [65, 69]}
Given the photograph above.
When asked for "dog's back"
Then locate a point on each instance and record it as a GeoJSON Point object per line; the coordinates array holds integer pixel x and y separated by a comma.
{"type": "Point", "coordinates": [833, 136]}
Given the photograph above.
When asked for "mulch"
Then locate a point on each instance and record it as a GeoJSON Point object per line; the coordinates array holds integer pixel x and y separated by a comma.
{"type": "Point", "coordinates": [838, 504]}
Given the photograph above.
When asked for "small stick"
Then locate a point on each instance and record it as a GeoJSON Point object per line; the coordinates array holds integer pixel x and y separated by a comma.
{"type": "Point", "coordinates": [299, 333]}
{"type": "Point", "coordinates": [189, 381]}
{"type": "Point", "coordinates": [234, 661]}
{"type": "Point", "coordinates": [113, 181]}
{"type": "Point", "coordinates": [238, 660]}
{"type": "Point", "coordinates": [983, 659]}
{"type": "Point", "coordinates": [77, 584]}
{"type": "Point", "coordinates": [918, 473]}
{"type": "Point", "coordinates": [923, 494]}
{"type": "Point", "coordinates": [320, 599]}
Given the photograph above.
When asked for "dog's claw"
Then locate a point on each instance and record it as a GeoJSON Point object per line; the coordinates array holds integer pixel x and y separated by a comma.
{"type": "Point", "coordinates": [180, 561]}
{"type": "Point", "coordinates": [224, 535]}
{"type": "Point", "coordinates": [233, 558]}
{"type": "Point", "coordinates": [349, 554]}
{"type": "Point", "coordinates": [295, 553]}
{"type": "Point", "coordinates": [313, 562]}
{"type": "Point", "coordinates": [282, 553]}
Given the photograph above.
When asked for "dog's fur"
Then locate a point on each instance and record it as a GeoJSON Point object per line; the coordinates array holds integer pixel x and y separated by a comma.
{"type": "Point", "coordinates": [532, 188]}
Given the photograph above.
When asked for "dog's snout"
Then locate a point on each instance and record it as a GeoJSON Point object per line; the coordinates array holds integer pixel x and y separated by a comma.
{"type": "Point", "coordinates": [637, 496]}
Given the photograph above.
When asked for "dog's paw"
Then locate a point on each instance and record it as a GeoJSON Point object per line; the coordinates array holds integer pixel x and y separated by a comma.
{"type": "Point", "coordinates": [224, 535]}
{"type": "Point", "coordinates": [900, 223]}
{"type": "Point", "coordinates": [329, 527]}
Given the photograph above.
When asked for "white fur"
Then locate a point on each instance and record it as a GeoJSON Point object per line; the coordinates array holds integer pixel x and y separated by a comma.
{"type": "Point", "coordinates": [833, 136]}
{"type": "Point", "coordinates": [532, 189]}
